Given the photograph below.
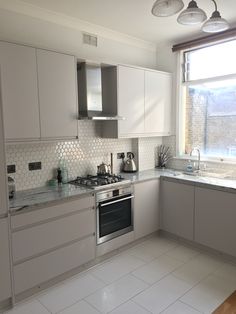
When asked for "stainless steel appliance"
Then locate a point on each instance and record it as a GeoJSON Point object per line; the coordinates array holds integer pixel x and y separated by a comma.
{"type": "Point", "coordinates": [114, 213]}
{"type": "Point", "coordinates": [129, 164]}
{"type": "Point", "coordinates": [99, 181]}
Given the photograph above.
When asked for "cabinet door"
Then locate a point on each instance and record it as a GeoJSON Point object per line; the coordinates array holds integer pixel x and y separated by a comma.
{"type": "Point", "coordinates": [215, 217]}
{"type": "Point", "coordinates": [5, 282]}
{"type": "Point", "coordinates": [146, 208]}
{"type": "Point", "coordinates": [19, 91]}
{"type": "Point", "coordinates": [158, 89]}
{"type": "Point", "coordinates": [57, 94]}
{"type": "Point", "coordinates": [130, 101]}
{"type": "Point", "coordinates": [177, 208]}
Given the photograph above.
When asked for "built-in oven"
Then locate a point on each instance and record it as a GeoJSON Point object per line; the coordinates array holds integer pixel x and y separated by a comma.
{"type": "Point", "coordinates": [114, 213]}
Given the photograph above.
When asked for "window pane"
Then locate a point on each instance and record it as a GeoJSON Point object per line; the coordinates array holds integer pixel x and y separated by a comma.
{"type": "Point", "coordinates": [210, 120]}
{"type": "Point", "coordinates": [212, 61]}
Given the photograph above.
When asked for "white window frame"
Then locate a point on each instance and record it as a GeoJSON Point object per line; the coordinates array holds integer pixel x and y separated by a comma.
{"type": "Point", "coordinates": [180, 112]}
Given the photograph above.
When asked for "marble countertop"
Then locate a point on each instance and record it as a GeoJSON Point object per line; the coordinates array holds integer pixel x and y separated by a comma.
{"type": "Point", "coordinates": [43, 196]}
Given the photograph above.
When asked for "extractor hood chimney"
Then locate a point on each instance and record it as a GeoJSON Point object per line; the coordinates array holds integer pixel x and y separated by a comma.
{"type": "Point", "coordinates": [96, 92]}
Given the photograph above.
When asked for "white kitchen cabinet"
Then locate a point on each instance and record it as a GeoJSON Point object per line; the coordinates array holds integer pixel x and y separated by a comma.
{"type": "Point", "coordinates": [158, 87]}
{"type": "Point", "coordinates": [19, 91]}
{"type": "Point", "coordinates": [5, 280]}
{"type": "Point", "coordinates": [215, 217]}
{"type": "Point", "coordinates": [143, 100]}
{"type": "Point", "coordinates": [51, 241]}
{"type": "Point", "coordinates": [177, 208]}
{"type": "Point", "coordinates": [146, 208]}
{"type": "Point", "coordinates": [57, 94]}
{"type": "Point", "coordinates": [130, 101]}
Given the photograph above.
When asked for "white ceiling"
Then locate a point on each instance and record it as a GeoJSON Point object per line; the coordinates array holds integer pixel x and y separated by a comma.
{"type": "Point", "coordinates": [133, 17]}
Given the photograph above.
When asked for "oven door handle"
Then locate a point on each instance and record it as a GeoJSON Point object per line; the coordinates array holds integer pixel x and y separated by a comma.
{"type": "Point", "coordinates": [117, 201]}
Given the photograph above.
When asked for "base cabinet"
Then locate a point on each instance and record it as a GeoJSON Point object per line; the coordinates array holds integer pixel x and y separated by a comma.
{"type": "Point", "coordinates": [177, 208]}
{"type": "Point", "coordinates": [5, 280]}
{"type": "Point", "coordinates": [146, 209]}
{"type": "Point", "coordinates": [215, 219]}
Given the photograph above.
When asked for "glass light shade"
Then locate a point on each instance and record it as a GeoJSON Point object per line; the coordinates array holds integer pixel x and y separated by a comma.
{"type": "Point", "coordinates": [165, 8]}
{"type": "Point", "coordinates": [192, 15]}
{"type": "Point", "coordinates": [215, 24]}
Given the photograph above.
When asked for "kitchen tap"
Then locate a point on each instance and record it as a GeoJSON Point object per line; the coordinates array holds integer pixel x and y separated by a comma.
{"type": "Point", "coordinates": [199, 156]}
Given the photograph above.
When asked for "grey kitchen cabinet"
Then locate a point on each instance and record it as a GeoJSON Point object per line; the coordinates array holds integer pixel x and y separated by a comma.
{"type": "Point", "coordinates": [57, 94]}
{"type": "Point", "coordinates": [19, 91]}
{"type": "Point", "coordinates": [144, 100]}
{"type": "Point", "coordinates": [177, 208]}
{"type": "Point", "coordinates": [215, 219]}
{"type": "Point", "coordinates": [146, 208]}
{"type": "Point", "coordinates": [5, 279]}
{"type": "Point", "coordinates": [51, 241]}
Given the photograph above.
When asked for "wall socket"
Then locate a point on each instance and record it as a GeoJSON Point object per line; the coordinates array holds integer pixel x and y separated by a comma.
{"type": "Point", "coordinates": [35, 166]}
{"type": "Point", "coordinates": [11, 169]}
{"type": "Point", "coordinates": [120, 155]}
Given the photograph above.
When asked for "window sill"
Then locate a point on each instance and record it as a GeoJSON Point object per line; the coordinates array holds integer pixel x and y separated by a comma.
{"type": "Point", "coordinates": [221, 161]}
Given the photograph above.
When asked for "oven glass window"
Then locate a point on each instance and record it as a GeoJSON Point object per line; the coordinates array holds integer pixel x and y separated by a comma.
{"type": "Point", "coordinates": [114, 216]}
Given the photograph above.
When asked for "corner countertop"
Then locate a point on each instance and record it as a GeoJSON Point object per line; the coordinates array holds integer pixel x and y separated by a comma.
{"type": "Point", "coordinates": [28, 199]}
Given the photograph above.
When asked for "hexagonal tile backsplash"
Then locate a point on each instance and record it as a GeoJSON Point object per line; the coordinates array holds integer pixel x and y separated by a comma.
{"type": "Point", "coordinates": [80, 156]}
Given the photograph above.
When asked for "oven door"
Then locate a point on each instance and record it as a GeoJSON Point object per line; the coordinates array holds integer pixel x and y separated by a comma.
{"type": "Point", "coordinates": [114, 217]}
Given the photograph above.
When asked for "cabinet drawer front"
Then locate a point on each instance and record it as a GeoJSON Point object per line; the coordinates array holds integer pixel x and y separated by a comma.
{"type": "Point", "coordinates": [38, 270]}
{"type": "Point", "coordinates": [42, 214]}
{"type": "Point", "coordinates": [32, 241]}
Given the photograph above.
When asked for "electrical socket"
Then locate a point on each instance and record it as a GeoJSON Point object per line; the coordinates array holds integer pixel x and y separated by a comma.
{"type": "Point", "coordinates": [120, 155]}
{"type": "Point", "coordinates": [11, 169]}
{"type": "Point", "coordinates": [35, 166]}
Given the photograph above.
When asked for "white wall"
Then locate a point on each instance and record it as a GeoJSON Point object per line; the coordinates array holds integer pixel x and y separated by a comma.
{"type": "Point", "coordinates": [66, 36]}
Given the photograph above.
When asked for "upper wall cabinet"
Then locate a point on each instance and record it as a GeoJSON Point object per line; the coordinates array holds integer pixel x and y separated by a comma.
{"type": "Point", "coordinates": [19, 91]}
{"type": "Point", "coordinates": [57, 94]}
{"type": "Point", "coordinates": [144, 100]}
{"type": "Point", "coordinates": [39, 93]}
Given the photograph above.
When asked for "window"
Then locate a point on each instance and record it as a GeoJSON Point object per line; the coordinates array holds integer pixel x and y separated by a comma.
{"type": "Point", "coordinates": [209, 101]}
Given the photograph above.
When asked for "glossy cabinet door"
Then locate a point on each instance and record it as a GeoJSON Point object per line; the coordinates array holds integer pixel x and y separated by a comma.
{"type": "Point", "coordinates": [19, 91]}
{"type": "Point", "coordinates": [158, 87]}
{"type": "Point", "coordinates": [5, 282]}
{"type": "Point", "coordinates": [57, 94]}
{"type": "Point", "coordinates": [215, 219]}
{"type": "Point", "coordinates": [130, 101]}
{"type": "Point", "coordinates": [146, 208]}
{"type": "Point", "coordinates": [177, 208]}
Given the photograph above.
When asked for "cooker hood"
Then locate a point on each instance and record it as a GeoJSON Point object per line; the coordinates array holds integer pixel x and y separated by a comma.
{"type": "Point", "coordinates": [97, 94]}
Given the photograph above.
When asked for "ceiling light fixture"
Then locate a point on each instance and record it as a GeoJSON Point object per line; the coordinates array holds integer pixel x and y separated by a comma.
{"type": "Point", "coordinates": [193, 15]}
{"type": "Point", "coordinates": [215, 23]}
{"type": "Point", "coordinates": [163, 8]}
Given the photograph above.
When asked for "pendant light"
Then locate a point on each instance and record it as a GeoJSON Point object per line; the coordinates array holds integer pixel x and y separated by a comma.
{"type": "Point", "coordinates": [163, 8]}
{"type": "Point", "coordinates": [193, 15]}
{"type": "Point", "coordinates": [215, 23]}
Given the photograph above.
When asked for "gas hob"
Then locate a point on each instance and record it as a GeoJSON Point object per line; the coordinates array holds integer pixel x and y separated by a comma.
{"type": "Point", "coordinates": [99, 181]}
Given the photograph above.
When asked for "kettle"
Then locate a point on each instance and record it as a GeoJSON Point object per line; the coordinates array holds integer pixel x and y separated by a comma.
{"type": "Point", "coordinates": [129, 164]}
{"type": "Point", "coordinates": [103, 169]}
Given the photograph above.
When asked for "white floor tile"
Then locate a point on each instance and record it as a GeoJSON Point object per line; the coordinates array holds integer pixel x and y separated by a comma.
{"type": "Point", "coordinates": [161, 295]}
{"type": "Point", "coordinates": [117, 268]}
{"type": "Point", "coordinates": [152, 248]}
{"type": "Point", "coordinates": [82, 307]}
{"type": "Point", "coordinates": [180, 308]}
{"type": "Point", "coordinates": [31, 307]}
{"type": "Point", "coordinates": [183, 253]}
{"type": "Point", "coordinates": [157, 269]}
{"type": "Point", "coordinates": [110, 297]}
{"type": "Point", "coordinates": [209, 294]}
{"type": "Point", "coordinates": [129, 308]}
{"type": "Point", "coordinates": [197, 269]}
{"type": "Point", "coordinates": [227, 272]}
{"type": "Point", "coordinates": [69, 293]}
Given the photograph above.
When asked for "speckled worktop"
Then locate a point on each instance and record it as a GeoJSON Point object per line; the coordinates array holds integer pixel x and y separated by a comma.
{"type": "Point", "coordinates": [45, 195]}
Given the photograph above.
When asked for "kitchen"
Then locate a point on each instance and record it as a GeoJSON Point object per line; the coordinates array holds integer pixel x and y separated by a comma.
{"type": "Point", "coordinates": [56, 253]}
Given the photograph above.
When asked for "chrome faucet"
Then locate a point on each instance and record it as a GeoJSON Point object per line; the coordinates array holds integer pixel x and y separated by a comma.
{"type": "Point", "coordinates": [199, 156]}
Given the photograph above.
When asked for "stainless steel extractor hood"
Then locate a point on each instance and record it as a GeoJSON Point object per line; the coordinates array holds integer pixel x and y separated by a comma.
{"type": "Point", "coordinates": [95, 102]}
